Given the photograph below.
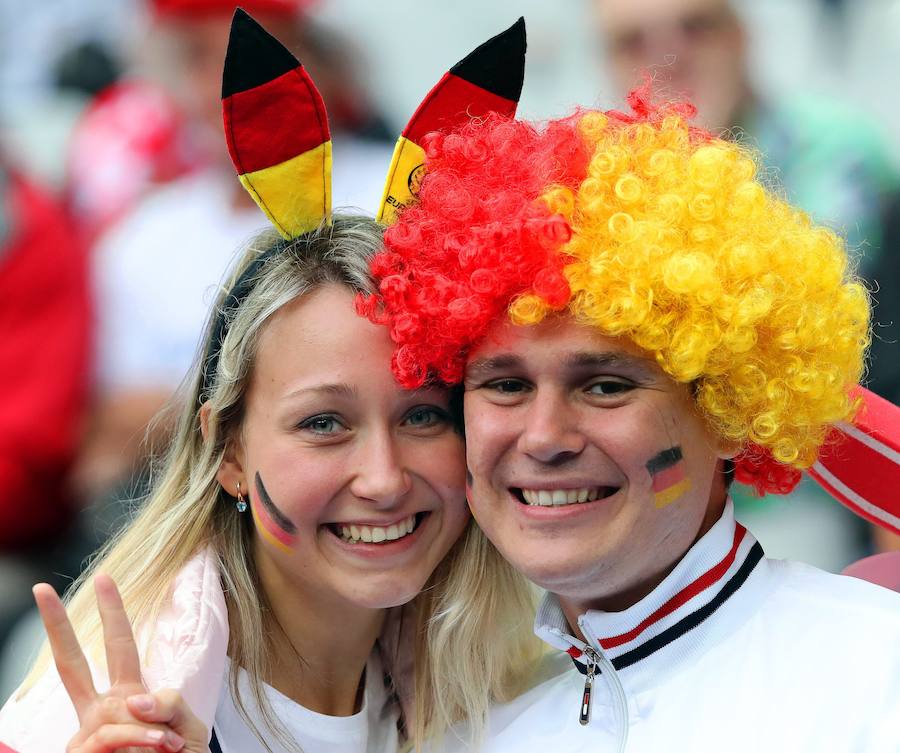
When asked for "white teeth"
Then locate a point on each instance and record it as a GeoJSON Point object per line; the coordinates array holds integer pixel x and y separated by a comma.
{"type": "Point", "coordinates": [559, 497]}
{"type": "Point", "coordinates": [377, 534]}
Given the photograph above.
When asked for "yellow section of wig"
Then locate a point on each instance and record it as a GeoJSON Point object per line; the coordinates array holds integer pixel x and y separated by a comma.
{"type": "Point", "coordinates": [680, 249]}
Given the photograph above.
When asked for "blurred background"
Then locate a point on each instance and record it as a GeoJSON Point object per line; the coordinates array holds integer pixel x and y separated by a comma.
{"type": "Point", "coordinates": [119, 210]}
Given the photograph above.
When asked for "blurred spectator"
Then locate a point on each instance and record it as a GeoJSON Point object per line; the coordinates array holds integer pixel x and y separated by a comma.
{"type": "Point", "coordinates": [44, 365]}
{"type": "Point", "coordinates": [830, 160]}
{"type": "Point", "coordinates": [130, 139]}
{"type": "Point", "coordinates": [87, 67]}
{"type": "Point", "coordinates": [156, 267]}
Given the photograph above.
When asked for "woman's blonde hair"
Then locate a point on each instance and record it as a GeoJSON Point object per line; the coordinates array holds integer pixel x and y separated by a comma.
{"type": "Point", "coordinates": [188, 510]}
{"type": "Point", "coordinates": [475, 644]}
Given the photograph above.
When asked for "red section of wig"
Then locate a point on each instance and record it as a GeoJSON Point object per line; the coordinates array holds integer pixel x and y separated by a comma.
{"type": "Point", "coordinates": [756, 467]}
{"type": "Point", "coordinates": [477, 239]}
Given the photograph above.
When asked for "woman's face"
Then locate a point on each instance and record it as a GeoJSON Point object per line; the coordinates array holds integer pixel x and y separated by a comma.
{"type": "Point", "coordinates": [356, 486]}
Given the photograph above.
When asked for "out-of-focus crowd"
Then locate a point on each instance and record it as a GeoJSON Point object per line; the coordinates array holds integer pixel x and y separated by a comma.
{"type": "Point", "coordinates": [106, 276]}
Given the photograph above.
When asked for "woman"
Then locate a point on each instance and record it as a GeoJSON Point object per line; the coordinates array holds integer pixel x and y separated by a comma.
{"type": "Point", "coordinates": [305, 493]}
{"type": "Point", "coordinates": [354, 490]}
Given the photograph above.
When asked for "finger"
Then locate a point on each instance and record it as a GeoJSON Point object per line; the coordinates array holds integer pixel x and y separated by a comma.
{"type": "Point", "coordinates": [122, 658]}
{"type": "Point", "coordinates": [169, 708]}
{"type": "Point", "coordinates": [112, 737]}
{"type": "Point", "coordinates": [67, 654]}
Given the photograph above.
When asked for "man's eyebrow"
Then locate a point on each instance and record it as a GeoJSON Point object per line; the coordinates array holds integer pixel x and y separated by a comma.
{"type": "Point", "coordinates": [588, 359]}
{"type": "Point", "coordinates": [581, 360]}
{"type": "Point", "coordinates": [485, 366]}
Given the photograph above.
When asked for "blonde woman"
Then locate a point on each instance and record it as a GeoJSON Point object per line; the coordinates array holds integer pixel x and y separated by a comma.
{"type": "Point", "coordinates": [303, 495]}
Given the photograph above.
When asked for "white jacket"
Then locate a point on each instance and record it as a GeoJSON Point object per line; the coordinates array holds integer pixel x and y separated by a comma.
{"type": "Point", "coordinates": [732, 652]}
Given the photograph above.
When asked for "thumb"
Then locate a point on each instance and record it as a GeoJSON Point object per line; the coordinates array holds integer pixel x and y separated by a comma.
{"type": "Point", "coordinates": [168, 707]}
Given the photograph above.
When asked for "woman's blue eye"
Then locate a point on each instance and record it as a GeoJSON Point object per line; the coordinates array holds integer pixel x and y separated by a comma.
{"type": "Point", "coordinates": [322, 425]}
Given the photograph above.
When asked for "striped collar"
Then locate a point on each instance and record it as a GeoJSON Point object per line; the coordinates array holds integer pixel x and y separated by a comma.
{"type": "Point", "coordinates": [691, 608]}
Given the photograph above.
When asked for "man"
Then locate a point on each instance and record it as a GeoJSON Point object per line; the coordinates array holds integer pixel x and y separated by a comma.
{"type": "Point", "coordinates": [635, 320]}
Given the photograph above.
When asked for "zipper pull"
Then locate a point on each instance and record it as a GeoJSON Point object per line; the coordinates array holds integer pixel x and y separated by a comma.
{"type": "Point", "coordinates": [584, 717]}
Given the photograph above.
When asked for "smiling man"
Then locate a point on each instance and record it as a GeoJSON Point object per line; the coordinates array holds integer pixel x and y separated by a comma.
{"type": "Point", "coordinates": [637, 321]}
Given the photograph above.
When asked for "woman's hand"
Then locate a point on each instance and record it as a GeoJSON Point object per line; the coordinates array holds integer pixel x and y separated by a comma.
{"type": "Point", "coordinates": [127, 717]}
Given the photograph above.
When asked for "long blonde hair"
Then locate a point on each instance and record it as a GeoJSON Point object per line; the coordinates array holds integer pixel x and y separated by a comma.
{"type": "Point", "coordinates": [475, 643]}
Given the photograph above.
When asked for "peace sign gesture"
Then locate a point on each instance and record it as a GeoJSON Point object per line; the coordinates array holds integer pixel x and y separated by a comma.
{"type": "Point", "coordinates": [127, 717]}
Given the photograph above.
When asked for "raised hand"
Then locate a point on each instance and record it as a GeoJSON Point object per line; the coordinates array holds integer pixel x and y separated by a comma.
{"type": "Point", "coordinates": [127, 717]}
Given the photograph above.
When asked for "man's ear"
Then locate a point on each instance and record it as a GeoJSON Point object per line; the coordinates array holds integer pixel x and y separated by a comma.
{"type": "Point", "coordinates": [231, 470]}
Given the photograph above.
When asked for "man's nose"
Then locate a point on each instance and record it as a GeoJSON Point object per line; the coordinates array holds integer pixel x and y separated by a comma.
{"type": "Point", "coordinates": [551, 433]}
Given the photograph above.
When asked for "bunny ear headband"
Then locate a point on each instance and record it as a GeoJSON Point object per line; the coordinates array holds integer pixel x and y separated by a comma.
{"type": "Point", "coordinates": [277, 132]}
{"type": "Point", "coordinates": [277, 129]}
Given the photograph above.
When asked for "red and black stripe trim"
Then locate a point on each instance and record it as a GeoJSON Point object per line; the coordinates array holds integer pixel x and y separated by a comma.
{"type": "Point", "coordinates": [693, 619]}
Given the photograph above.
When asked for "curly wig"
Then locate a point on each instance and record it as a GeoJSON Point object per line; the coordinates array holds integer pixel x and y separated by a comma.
{"type": "Point", "coordinates": [649, 229]}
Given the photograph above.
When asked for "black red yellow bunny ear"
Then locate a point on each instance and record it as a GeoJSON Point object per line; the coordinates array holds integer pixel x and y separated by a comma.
{"type": "Point", "coordinates": [276, 129]}
{"type": "Point", "coordinates": [487, 79]}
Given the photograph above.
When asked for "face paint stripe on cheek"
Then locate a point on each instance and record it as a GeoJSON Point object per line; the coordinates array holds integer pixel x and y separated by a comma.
{"type": "Point", "coordinates": [667, 473]}
{"type": "Point", "coordinates": [270, 521]}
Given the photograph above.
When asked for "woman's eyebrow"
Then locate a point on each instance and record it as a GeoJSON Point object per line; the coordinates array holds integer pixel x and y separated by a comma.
{"type": "Point", "coordinates": [337, 389]}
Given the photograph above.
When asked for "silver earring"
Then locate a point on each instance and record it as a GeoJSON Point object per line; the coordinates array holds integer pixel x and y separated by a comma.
{"type": "Point", "coordinates": [241, 503]}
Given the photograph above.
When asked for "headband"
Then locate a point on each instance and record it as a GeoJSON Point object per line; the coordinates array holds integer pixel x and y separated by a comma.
{"type": "Point", "coordinates": [278, 138]}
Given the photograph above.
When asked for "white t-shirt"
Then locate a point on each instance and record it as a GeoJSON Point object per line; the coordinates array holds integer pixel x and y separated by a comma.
{"type": "Point", "coordinates": [372, 730]}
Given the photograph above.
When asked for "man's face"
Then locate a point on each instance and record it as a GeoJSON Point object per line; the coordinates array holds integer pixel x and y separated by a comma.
{"type": "Point", "coordinates": [590, 469]}
{"type": "Point", "coordinates": [696, 47]}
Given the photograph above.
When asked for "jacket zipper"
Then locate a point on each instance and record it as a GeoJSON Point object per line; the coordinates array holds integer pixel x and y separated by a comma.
{"type": "Point", "coordinates": [596, 659]}
{"type": "Point", "coordinates": [584, 717]}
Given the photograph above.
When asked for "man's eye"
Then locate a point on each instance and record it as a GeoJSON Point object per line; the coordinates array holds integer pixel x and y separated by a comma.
{"type": "Point", "coordinates": [506, 386]}
{"type": "Point", "coordinates": [609, 387]}
{"type": "Point", "coordinates": [322, 425]}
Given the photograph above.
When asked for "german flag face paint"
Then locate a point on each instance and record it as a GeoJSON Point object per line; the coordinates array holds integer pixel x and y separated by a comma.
{"type": "Point", "coordinates": [488, 79]}
{"type": "Point", "coordinates": [276, 129]}
{"type": "Point", "coordinates": [667, 473]}
{"type": "Point", "coordinates": [271, 523]}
